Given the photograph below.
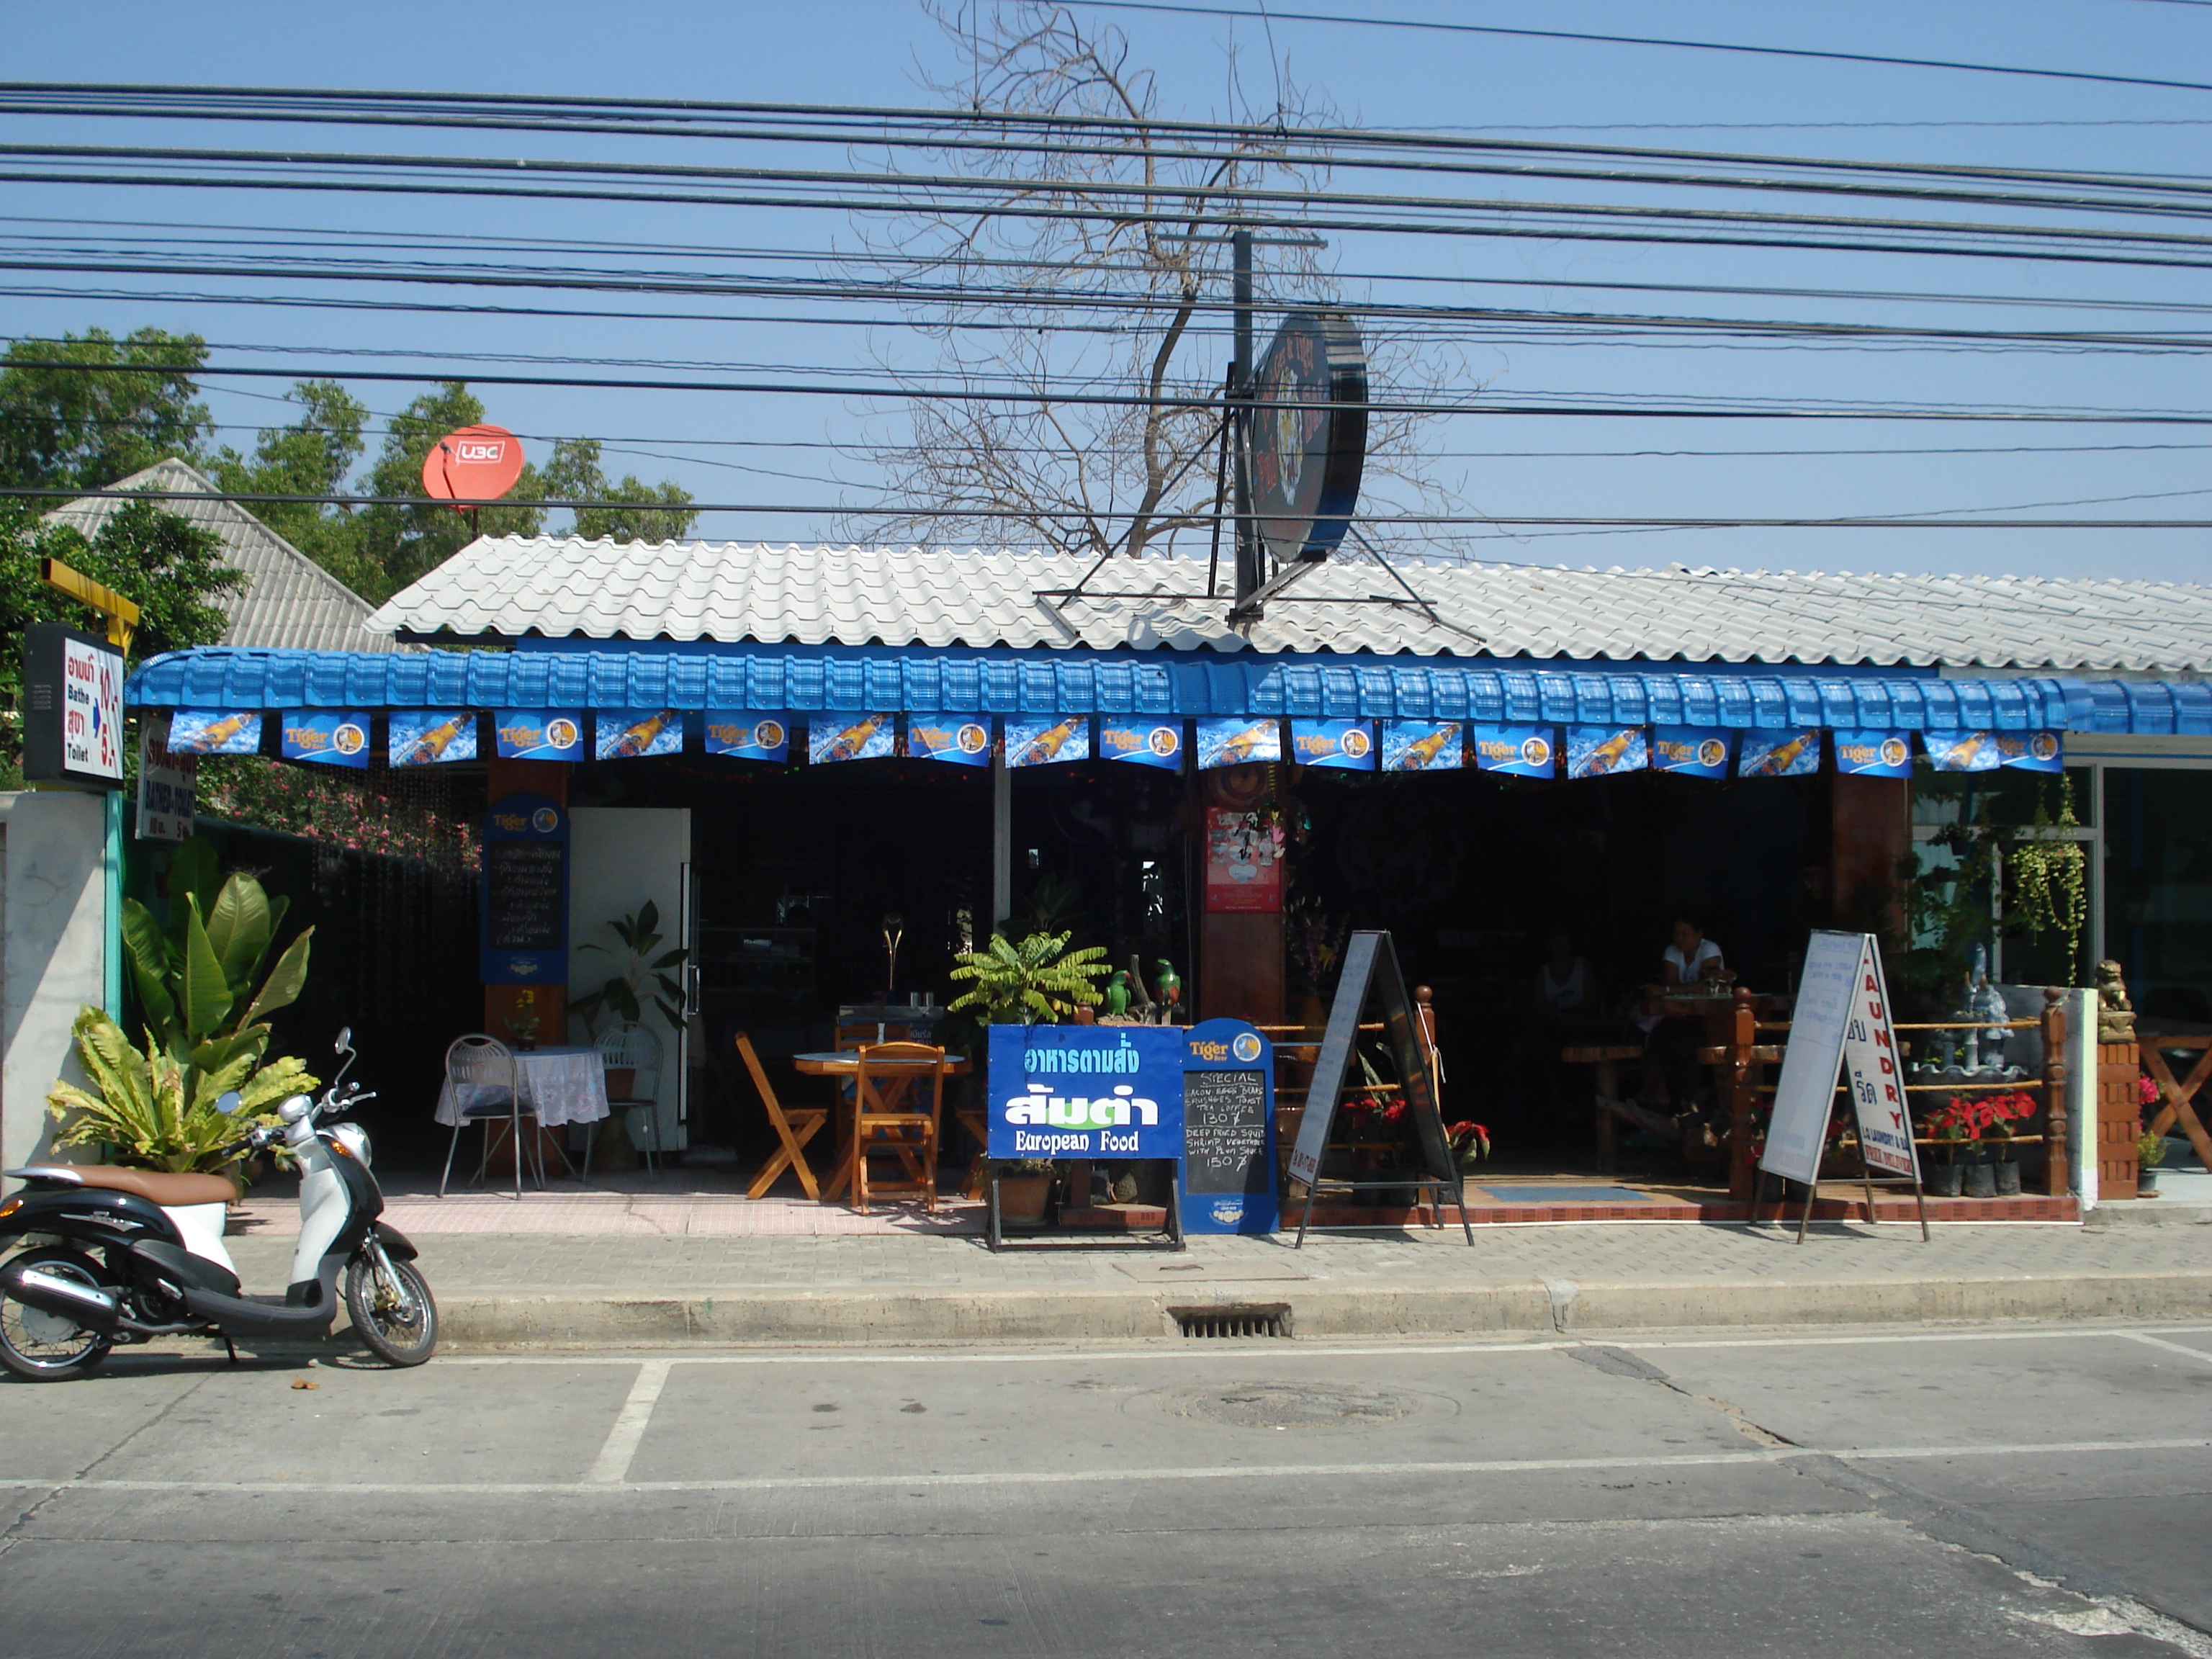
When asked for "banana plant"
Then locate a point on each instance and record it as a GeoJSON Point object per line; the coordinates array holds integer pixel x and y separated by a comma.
{"type": "Point", "coordinates": [1030, 983]}
{"type": "Point", "coordinates": [639, 972]}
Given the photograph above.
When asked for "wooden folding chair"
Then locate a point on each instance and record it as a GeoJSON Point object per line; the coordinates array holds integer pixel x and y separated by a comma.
{"type": "Point", "coordinates": [888, 1122]}
{"type": "Point", "coordinates": [794, 1127]}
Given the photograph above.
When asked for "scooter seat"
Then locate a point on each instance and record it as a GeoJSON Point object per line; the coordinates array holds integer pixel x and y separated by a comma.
{"type": "Point", "coordinates": [174, 1191]}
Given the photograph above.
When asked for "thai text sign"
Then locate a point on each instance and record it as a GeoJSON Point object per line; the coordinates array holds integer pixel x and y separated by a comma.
{"type": "Point", "coordinates": [1841, 1019]}
{"type": "Point", "coordinates": [72, 707]}
{"type": "Point", "coordinates": [1099, 1091]}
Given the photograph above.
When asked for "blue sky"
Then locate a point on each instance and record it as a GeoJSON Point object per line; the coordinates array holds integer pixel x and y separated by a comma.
{"type": "Point", "coordinates": [726, 447]}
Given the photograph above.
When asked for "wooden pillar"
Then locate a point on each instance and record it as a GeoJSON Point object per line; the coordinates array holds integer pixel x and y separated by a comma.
{"type": "Point", "coordinates": [1869, 836]}
{"type": "Point", "coordinates": [1240, 953]}
{"type": "Point", "coordinates": [2057, 1166]}
{"type": "Point", "coordinates": [1743, 1038]}
{"type": "Point", "coordinates": [550, 1003]}
{"type": "Point", "coordinates": [2119, 1121]}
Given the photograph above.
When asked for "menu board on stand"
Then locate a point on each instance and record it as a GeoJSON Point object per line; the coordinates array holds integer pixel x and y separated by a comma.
{"type": "Point", "coordinates": [1229, 1130]}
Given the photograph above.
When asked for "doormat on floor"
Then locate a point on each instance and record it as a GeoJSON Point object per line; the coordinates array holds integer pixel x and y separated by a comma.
{"type": "Point", "coordinates": [1566, 1195]}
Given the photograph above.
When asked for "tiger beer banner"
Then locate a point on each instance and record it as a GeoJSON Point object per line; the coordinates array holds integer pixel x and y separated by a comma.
{"type": "Point", "coordinates": [2030, 751]}
{"type": "Point", "coordinates": [1874, 754]}
{"type": "Point", "coordinates": [328, 737]}
{"type": "Point", "coordinates": [1963, 751]}
{"type": "Point", "coordinates": [634, 733]}
{"type": "Point", "coordinates": [962, 740]}
{"type": "Point", "coordinates": [1144, 742]}
{"type": "Point", "coordinates": [746, 734]}
{"type": "Point", "coordinates": [1033, 742]}
{"type": "Point", "coordinates": [1348, 744]}
{"type": "Point", "coordinates": [1521, 752]}
{"type": "Point", "coordinates": [1779, 755]}
{"type": "Point", "coordinates": [1420, 745]}
{"type": "Point", "coordinates": [1598, 751]}
{"type": "Point", "coordinates": [213, 732]}
{"type": "Point", "coordinates": [554, 734]}
{"type": "Point", "coordinates": [1239, 739]}
{"type": "Point", "coordinates": [834, 737]}
{"type": "Point", "coordinates": [425, 736]}
{"type": "Point", "coordinates": [1694, 751]}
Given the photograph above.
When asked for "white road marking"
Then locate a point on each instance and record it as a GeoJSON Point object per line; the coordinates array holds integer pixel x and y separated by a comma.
{"type": "Point", "coordinates": [1113, 1477]}
{"type": "Point", "coordinates": [2170, 1348]}
{"type": "Point", "coordinates": [613, 1461]}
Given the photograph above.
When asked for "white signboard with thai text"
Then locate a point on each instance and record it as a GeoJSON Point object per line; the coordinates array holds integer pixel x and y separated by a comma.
{"type": "Point", "coordinates": [1840, 1022]}
{"type": "Point", "coordinates": [167, 784]}
{"type": "Point", "coordinates": [92, 711]}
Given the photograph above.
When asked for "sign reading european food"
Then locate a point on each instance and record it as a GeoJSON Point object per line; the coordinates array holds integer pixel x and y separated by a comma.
{"type": "Point", "coordinates": [1094, 1092]}
{"type": "Point", "coordinates": [1144, 741]}
{"type": "Point", "coordinates": [748, 735]}
{"type": "Point", "coordinates": [1521, 751]}
{"type": "Point", "coordinates": [1696, 751]}
{"type": "Point", "coordinates": [332, 737]}
{"type": "Point", "coordinates": [1349, 745]}
{"type": "Point", "coordinates": [1841, 1019]}
{"type": "Point", "coordinates": [166, 784]}
{"type": "Point", "coordinates": [72, 707]}
{"type": "Point", "coordinates": [963, 739]}
{"type": "Point", "coordinates": [1229, 1130]}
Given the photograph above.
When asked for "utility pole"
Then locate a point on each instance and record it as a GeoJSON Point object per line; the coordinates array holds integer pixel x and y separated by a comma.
{"type": "Point", "coordinates": [1250, 565]}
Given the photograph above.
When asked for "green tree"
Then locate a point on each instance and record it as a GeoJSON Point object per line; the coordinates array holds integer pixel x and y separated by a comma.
{"type": "Point", "coordinates": [311, 457]}
{"type": "Point", "coordinates": [573, 474]}
{"type": "Point", "coordinates": [172, 570]}
{"type": "Point", "coordinates": [398, 543]}
{"type": "Point", "coordinates": [74, 428]}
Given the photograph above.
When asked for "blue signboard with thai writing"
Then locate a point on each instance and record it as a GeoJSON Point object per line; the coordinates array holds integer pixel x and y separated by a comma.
{"type": "Point", "coordinates": [1696, 751]}
{"type": "Point", "coordinates": [1349, 745]}
{"type": "Point", "coordinates": [523, 904]}
{"type": "Point", "coordinates": [1228, 1183]}
{"type": "Point", "coordinates": [422, 737]}
{"type": "Point", "coordinates": [1874, 754]}
{"type": "Point", "coordinates": [1523, 751]}
{"type": "Point", "coordinates": [1142, 740]}
{"type": "Point", "coordinates": [330, 736]}
{"type": "Point", "coordinates": [1095, 1092]}
{"type": "Point", "coordinates": [747, 734]}
{"type": "Point", "coordinates": [963, 739]}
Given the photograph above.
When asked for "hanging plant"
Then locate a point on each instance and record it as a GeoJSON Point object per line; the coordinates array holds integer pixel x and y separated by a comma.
{"type": "Point", "coordinates": [2048, 878]}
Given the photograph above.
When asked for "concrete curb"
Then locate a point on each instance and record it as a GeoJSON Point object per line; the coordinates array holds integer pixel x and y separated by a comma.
{"type": "Point", "coordinates": [753, 1316]}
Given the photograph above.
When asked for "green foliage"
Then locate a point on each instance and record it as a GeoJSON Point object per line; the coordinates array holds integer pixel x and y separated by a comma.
{"type": "Point", "coordinates": [157, 1111]}
{"type": "Point", "coordinates": [1052, 905]}
{"type": "Point", "coordinates": [573, 474]}
{"type": "Point", "coordinates": [75, 430]}
{"type": "Point", "coordinates": [311, 457]}
{"type": "Point", "coordinates": [641, 969]}
{"type": "Point", "coordinates": [2047, 879]}
{"type": "Point", "coordinates": [172, 570]}
{"type": "Point", "coordinates": [2150, 1149]}
{"type": "Point", "coordinates": [1030, 983]}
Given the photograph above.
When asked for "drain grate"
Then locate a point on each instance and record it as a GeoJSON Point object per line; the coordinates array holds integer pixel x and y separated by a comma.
{"type": "Point", "coordinates": [1264, 1319]}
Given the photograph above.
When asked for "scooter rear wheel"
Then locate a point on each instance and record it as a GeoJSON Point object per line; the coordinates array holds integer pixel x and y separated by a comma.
{"type": "Point", "coordinates": [48, 1347]}
{"type": "Point", "coordinates": [376, 1315]}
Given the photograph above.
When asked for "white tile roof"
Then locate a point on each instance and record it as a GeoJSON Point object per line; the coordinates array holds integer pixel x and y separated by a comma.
{"type": "Point", "coordinates": [290, 602]}
{"type": "Point", "coordinates": [565, 587]}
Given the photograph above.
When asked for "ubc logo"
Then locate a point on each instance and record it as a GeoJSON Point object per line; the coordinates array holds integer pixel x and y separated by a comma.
{"type": "Point", "coordinates": [493, 449]}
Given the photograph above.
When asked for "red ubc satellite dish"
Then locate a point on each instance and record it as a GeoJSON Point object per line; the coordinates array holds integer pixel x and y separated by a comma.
{"type": "Point", "coordinates": [477, 464]}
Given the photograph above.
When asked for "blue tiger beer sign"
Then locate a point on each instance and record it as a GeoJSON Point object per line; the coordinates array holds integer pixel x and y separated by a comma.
{"type": "Point", "coordinates": [1107, 1091]}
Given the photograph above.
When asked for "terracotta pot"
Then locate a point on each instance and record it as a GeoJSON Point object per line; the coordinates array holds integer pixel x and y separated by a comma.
{"type": "Point", "coordinates": [1022, 1199]}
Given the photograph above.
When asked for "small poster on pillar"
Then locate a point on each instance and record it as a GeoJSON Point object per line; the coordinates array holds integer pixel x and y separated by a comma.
{"type": "Point", "coordinates": [1243, 862]}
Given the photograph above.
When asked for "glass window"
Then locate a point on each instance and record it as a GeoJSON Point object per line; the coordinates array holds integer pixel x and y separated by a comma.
{"type": "Point", "coordinates": [2158, 890]}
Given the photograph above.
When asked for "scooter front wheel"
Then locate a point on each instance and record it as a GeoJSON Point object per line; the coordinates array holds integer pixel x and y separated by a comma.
{"type": "Point", "coordinates": [50, 1347]}
{"type": "Point", "coordinates": [397, 1317]}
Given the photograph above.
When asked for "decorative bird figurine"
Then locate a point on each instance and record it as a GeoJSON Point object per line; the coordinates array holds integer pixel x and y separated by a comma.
{"type": "Point", "coordinates": [1170, 983]}
{"type": "Point", "coordinates": [1117, 993]}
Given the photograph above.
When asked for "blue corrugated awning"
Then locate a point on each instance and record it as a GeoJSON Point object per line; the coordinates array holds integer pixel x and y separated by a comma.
{"type": "Point", "coordinates": [804, 679]}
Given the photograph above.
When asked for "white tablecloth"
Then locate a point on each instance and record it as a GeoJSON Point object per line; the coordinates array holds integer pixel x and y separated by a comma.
{"type": "Point", "coordinates": [562, 1086]}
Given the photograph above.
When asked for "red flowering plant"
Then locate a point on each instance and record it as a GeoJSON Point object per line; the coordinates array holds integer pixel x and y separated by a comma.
{"type": "Point", "coordinates": [1470, 1143]}
{"type": "Point", "coordinates": [1984, 1119]}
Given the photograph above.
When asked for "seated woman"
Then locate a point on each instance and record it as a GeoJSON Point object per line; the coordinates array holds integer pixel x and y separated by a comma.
{"type": "Point", "coordinates": [1562, 985]}
{"type": "Point", "coordinates": [1671, 1072]}
{"type": "Point", "coordinates": [1692, 958]}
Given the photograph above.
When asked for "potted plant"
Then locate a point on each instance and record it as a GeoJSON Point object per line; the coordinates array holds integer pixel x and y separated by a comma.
{"type": "Point", "coordinates": [1038, 981]}
{"type": "Point", "coordinates": [1470, 1143]}
{"type": "Point", "coordinates": [2151, 1153]}
{"type": "Point", "coordinates": [1025, 1188]}
{"type": "Point", "coordinates": [1998, 1115]}
{"type": "Point", "coordinates": [1948, 1129]}
{"type": "Point", "coordinates": [641, 971]}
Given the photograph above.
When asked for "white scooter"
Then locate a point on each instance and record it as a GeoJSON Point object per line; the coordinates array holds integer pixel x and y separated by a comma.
{"type": "Point", "coordinates": [123, 1256]}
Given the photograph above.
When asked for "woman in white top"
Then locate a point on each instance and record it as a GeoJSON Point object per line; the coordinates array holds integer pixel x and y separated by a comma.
{"type": "Point", "coordinates": [1692, 957]}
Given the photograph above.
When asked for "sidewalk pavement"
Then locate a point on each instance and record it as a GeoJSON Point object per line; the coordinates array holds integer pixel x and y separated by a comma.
{"type": "Point", "coordinates": [898, 1285]}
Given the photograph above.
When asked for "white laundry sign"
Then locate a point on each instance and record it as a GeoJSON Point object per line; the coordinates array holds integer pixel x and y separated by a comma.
{"type": "Point", "coordinates": [1840, 1022]}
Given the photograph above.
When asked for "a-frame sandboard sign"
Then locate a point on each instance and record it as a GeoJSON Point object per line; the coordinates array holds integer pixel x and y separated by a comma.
{"type": "Point", "coordinates": [1841, 1023]}
{"type": "Point", "coordinates": [1370, 970]}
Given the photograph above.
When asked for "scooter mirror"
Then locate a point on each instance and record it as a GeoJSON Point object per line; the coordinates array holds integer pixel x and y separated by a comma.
{"type": "Point", "coordinates": [229, 1103]}
{"type": "Point", "coordinates": [344, 1041]}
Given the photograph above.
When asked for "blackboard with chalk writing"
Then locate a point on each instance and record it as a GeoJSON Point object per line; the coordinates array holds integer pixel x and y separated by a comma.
{"type": "Point", "coordinates": [525, 894]}
{"type": "Point", "coordinates": [1228, 1181]}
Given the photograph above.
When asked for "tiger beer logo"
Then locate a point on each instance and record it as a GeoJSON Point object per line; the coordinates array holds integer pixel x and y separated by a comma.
{"type": "Point", "coordinates": [972, 738]}
{"type": "Point", "coordinates": [769, 734]}
{"type": "Point", "coordinates": [1354, 743]}
{"type": "Point", "coordinates": [562, 734]}
{"type": "Point", "coordinates": [1536, 752]}
{"type": "Point", "coordinates": [1713, 752]}
{"type": "Point", "coordinates": [1246, 1047]}
{"type": "Point", "coordinates": [348, 739]}
{"type": "Point", "coordinates": [1893, 751]}
{"type": "Point", "coordinates": [2043, 746]}
{"type": "Point", "coordinates": [1165, 740]}
{"type": "Point", "coordinates": [545, 820]}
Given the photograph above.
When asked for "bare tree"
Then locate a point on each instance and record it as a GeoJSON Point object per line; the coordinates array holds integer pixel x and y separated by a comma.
{"type": "Point", "coordinates": [1093, 260]}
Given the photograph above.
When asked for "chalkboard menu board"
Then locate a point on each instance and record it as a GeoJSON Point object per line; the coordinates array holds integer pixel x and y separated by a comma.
{"type": "Point", "coordinates": [523, 918]}
{"type": "Point", "coordinates": [1225, 1126]}
{"type": "Point", "coordinates": [525, 886]}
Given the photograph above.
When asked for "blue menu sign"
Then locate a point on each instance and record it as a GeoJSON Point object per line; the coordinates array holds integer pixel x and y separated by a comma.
{"type": "Point", "coordinates": [1228, 1130]}
{"type": "Point", "coordinates": [1095, 1092]}
{"type": "Point", "coordinates": [525, 893]}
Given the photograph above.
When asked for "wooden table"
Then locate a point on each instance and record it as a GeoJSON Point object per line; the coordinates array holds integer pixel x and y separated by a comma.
{"type": "Point", "coordinates": [846, 1062]}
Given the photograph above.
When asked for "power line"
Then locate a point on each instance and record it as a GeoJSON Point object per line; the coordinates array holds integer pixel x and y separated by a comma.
{"type": "Point", "coordinates": [1279, 17]}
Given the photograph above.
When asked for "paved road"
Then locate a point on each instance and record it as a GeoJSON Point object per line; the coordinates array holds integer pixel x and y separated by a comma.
{"type": "Point", "coordinates": [2017, 1491]}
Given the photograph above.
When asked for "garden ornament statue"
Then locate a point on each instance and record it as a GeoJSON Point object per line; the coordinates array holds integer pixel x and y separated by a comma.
{"type": "Point", "coordinates": [1170, 989]}
{"type": "Point", "coordinates": [2115, 1015]}
{"type": "Point", "coordinates": [1117, 993]}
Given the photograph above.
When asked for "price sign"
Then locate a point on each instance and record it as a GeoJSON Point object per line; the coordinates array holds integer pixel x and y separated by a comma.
{"type": "Point", "coordinates": [1228, 1130]}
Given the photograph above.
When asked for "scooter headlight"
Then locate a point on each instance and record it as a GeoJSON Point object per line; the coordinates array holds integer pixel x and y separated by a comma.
{"type": "Point", "coordinates": [355, 1139]}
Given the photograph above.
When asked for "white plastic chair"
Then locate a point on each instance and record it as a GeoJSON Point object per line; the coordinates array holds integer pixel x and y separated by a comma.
{"type": "Point", "coordinates": [631, 1048]}
{"type": "Point", "coordinates": [488, 1089]}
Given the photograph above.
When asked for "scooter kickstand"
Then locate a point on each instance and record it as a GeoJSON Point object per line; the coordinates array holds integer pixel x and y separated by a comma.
{"type": "Point", "coordinates": [233, 1348]}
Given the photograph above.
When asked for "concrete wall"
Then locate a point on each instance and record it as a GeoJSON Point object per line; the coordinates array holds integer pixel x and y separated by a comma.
{"type": "Point", "coordinates": [53, 952]}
